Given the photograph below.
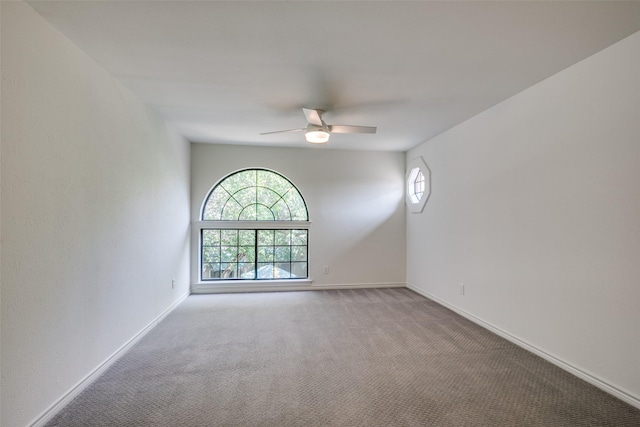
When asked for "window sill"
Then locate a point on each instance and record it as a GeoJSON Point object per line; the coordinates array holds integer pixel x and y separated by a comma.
{"type": "Point", "coordinates": [223, 286]}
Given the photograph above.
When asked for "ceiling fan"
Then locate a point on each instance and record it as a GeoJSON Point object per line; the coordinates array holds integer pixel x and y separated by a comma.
{"type": "Point", "coordinates": [317, 131]}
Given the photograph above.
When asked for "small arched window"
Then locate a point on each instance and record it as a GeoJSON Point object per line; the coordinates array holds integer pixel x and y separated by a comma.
{"type": "Point", "coordinates": [258, 228]}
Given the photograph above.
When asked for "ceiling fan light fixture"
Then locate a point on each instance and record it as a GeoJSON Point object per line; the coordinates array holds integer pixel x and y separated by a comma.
{"type": "Point", "coordinates": [316, 136]}
{"type": "Point", "coordinates": [318, 132]}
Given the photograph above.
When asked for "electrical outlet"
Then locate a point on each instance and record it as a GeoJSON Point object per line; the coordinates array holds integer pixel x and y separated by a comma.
{"type": "Point", "coordinates": [325, 269]}
{"type": "Point", "coordinates": [461, 288]}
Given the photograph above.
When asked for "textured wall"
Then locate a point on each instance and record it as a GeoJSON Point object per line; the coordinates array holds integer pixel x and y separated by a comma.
{"type": "Point", "coordinates": [95, 215]}
{"type": "Point", "coordinates": [355, 201]}
{"type": "Point", "coordinates": [534, 207]}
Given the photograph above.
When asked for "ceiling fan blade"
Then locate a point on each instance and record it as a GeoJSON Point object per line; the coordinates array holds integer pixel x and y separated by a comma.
{"type": "Point", "coordinates": [352, 129]}
{"type": "Point", "coordinates": [313, 116]}
{"type": "Point", "coordinates": [284, 131]}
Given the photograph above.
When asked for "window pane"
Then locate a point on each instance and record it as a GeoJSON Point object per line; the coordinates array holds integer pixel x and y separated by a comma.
{"type": "Point", "coordinates": [282, 237]}
{"type": "Point", "coordinates": [215, 203]}
{"type": "Point", "coordinates": [229, 253]}
{"type": "Point", "coordinates": [299, 237]}
{"type": "Point", "coordinates": [246, 196]}
{"type": "Point", "coordinates": [245, 253]}
{"type": "Point", "coordinates": [419, 185]}
{"type": "Point", "coordinates": [265, 271]}
{"type": "Point", "coordinates": [267, 196]}
{"type": "Point", "coordinates": [264, 213]}
{"type": "Point", "coordinates": [229, 270]}
{"type": "Point", "coordinates": [248, 213]}
{"type": "Point", "coordinates": [265, 253]}
{"type": "Point", "coordinates": [229, 237]}
{"type": "Point", "coordinates": [210, 270]}
{"type": "Point", "coordinates": [211, 254]}
{"type": "Point", "coordinates": [265, 237]}
{"type": "Point", "coordinates": [299, 253]}
{"type": "Point", "coordinates": [296, 204]}
{"type": "Point", "coordinates": [247, 237]}
{"type": "Point", "coordinates": [273, 181]}
{"type": "Point", "coordinates": [299, 269]}
{"type": "Point", "coordinates": [231, 211]}
{"type": "Point", "coordinates": [239, 180]}
{"type": "Point", "coordinates": [246, 270]}
{"type": "Point", "coordinates": [283, 269]}
{"type": "Point", "coordinates": [210, 237]}
{"type": "Point", "coordinates": [281, 211]}
{"type": "Point", "coordinates": [282, 253]}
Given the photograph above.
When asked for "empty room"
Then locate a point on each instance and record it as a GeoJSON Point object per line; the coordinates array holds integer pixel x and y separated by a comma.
{"type": "Point", "coordinates": [319, 213]}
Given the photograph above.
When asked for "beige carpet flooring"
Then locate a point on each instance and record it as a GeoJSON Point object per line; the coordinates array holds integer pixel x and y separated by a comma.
{"type": "Point", "coordinates": [377, 357]}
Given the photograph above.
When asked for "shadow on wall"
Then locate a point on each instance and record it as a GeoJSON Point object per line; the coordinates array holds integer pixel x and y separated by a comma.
{"type": "Point", "coordinates": [372, 224]}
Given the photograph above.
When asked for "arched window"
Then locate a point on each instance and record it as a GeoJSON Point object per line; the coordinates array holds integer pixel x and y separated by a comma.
{"type": "Point", "coordinates": [255, 227]}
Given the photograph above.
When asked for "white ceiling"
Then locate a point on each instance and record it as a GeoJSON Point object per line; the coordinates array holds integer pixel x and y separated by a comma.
{"type": "Point", "coordinates": [223, 72]}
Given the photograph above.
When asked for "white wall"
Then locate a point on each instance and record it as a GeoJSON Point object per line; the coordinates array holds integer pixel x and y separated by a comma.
{"type": "Point", "coordinates": [535, 207]}
{"type": "Point", "coordinates": [355, 202]}
{"type": "Point", "coordinates": [95, 215]}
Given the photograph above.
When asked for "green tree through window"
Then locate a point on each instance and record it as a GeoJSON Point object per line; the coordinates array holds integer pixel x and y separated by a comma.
{"type": "Point", "coordinates": [248, 251]}
{"type": "Point", "coordinates": [255, 195]}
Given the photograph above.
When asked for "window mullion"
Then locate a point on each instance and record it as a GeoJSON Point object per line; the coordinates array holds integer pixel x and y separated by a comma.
{"type": "Point", "coordinates": [273, 251]}
{"type": "Point", "coordinates": [255, 257]}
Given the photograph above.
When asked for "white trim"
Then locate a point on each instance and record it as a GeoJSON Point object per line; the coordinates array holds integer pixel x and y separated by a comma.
{"type": "Point", "coordinates": [214, 286]}
{"type": "Point", "coordinates": [290, 285]}
{"type": "Point", "coordinates": [262, 225]}
{"type": "Point", "coordinates": [591, 379]}
{"type": "Point", "coordinates": [80, 386]}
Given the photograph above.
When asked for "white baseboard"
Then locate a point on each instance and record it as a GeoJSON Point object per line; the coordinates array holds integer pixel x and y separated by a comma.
{"type": "Point", "coordinates": [591, 379]}
{"type": "Point", "coordinates": [209, 288]}
{"type": "Point", "coordinates": [58, 405]}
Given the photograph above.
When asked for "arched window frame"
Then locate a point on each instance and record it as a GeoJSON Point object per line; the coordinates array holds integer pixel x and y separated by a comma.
{"type": "Point", "coordinates": [299, 226]}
